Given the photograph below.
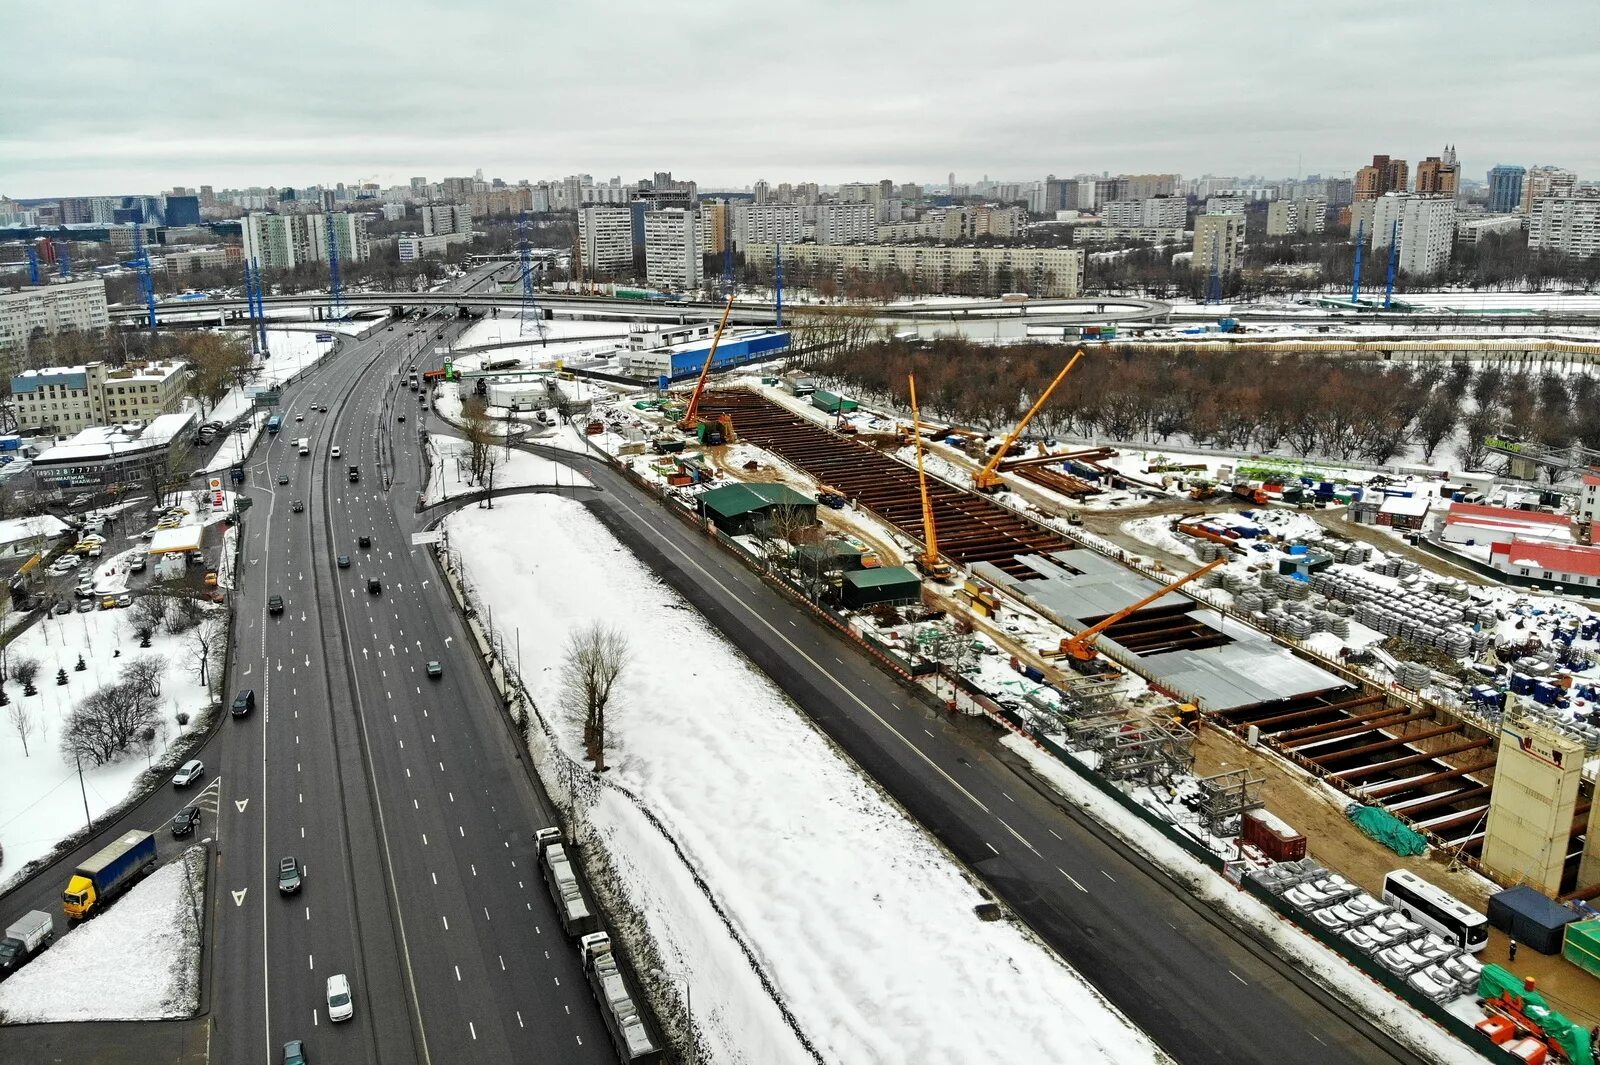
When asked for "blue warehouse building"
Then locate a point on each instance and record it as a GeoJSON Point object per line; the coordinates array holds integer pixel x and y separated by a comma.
{"type": "Point", "coordinates": [679, 361]}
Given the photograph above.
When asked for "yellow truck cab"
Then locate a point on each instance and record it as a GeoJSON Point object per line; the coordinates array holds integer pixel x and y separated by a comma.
{"type": "Point", "coordinates": [107, 873]}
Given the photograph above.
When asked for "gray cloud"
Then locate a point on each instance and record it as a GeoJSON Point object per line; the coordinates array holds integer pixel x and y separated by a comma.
{"type": "Point", "coordinates": [144, 97]}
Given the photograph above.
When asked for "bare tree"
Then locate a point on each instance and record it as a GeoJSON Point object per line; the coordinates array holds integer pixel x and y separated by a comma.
{"type": "Point", "coordinates": [147, 614]}
{"type": "Point", "coordinates": [107, 722]}
{"type": "Point", "coordinates": [204, 644]}
{"type": "Point", "coordinates": [480, 434]}
{"type": "Point", "coordinates": [21, 718]}
{"type": "Point", "coordinates": [26, 670]}
{"type": "Point", "coordinates": [594, 659]}
{"type": "Point", "coordinates": [184, 613]}
{"type": "Point", "coordinates": [147, 671]}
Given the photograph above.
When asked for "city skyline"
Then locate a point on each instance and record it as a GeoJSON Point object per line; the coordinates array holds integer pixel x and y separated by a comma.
{"type": "Point", "coordinates": [1132, 90]}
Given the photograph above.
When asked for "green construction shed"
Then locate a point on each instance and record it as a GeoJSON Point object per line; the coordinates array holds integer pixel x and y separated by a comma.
{"type": "Point", "coordinates": [737, 509]}
{"type": "Point", "coordinates": [881, 584]}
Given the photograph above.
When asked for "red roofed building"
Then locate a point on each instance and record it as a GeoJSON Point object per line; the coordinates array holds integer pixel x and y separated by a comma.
{"type": "Point", "coordinates": [1568, 564]}
{"type": "Point", "coordinates": [1471, 523]}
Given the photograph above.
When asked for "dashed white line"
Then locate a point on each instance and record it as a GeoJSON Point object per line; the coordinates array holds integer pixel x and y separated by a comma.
{"type": "Point", "coordinates": [1072, 879]}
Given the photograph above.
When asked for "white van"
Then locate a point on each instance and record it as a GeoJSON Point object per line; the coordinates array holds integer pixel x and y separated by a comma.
{"type": "Point", "coordinates": [340, 1007]}
{"type": "Point", "coordinates": [305, 445]}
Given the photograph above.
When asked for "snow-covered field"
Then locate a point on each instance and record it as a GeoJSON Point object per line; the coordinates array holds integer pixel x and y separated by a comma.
{"type": "Point", "coordinates": [451, 477]}
{"type": "Point", "coordinates": [861, 921]}
{"type": "Point", "coordinates": [147, 944]}
{"type": "Point", "coordinates": [289, 351]}
{"type": "Point", "coordinates": [40, 803]}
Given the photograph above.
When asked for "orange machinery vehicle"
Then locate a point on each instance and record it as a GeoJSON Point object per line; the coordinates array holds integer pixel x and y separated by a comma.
{"type": "Point", "coordinates": [987, 479]}
{"type": "Point", "coordinates": [691, 417]}
{"type": "Point", "coordinates": [928, 561]}
{"type": "Point", "coordinates": [1081, 646]}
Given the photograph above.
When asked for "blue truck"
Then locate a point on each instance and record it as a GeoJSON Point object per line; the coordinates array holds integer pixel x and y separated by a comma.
{"type": "Point", "coordinates": [274, 423]}
{"type": "Point", "coordinates": [107, 873]}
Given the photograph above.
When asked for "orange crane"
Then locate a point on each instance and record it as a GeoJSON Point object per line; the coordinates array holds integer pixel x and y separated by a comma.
{"type": "Point", "coordinates": [986, 479]}
{"type": "Point", "coordinates": [929, 561]}
{"type": "Point", "coordinates": [1081, 646]}
{"type": "Point", "coordinates": [691, 416]}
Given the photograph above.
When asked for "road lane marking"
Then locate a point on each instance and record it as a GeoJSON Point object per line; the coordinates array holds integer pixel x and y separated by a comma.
{"type": "Point", "coordinates": [1239, 978]}
{"type": "Point", "coordinates": [1072, 880]}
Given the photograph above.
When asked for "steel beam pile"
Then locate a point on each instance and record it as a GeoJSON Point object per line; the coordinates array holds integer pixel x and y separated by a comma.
{"type": "Point", "coordinates": [972, 528]}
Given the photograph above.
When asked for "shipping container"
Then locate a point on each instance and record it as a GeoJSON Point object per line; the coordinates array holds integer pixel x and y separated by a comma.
{"type": "Point", "coordinates": [1272, 837]}
{"type": "Point", "coordinates": [1531, 918]}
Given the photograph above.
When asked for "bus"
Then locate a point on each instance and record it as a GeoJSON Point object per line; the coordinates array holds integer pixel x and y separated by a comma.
{"type": "Point", "coordinates": [274, 423]}
{"type": "Point", "coordinates": [1420, 901]}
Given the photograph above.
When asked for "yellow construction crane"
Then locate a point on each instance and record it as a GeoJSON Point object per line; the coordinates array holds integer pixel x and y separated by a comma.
{"type": "Point", "coordinates": [986, 479]}
{"type": "Point", "coordinates": [929, 561]}
{"type": "Point", "coordinates": [691, 416]}
{"type": "Point", "coordinates": [1081, 646]}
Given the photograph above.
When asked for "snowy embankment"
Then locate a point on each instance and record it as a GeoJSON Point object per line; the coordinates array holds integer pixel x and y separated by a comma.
{"type": "Point", "coordinates": [450, 475]}
{"type": "Point", "coordinates": [40, 802]}
{"type": "Point", "coordinates": [1348, 983]}
{"type": "Point", "coordinates": [289, 352]}
{"type": "Point", "coordinates": [238, 445]}
{"type": "Point", "coordinates": [147, 945]}
{"type": "Point", "coordinates": [862, 924]}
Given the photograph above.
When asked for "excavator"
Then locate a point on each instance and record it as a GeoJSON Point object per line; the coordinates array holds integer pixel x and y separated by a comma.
{"type": "Point", "coordinates": [928, 561]}
{"type": "Point", "coordinates": [1080, 648]}
{"type": "Point", "coordinates": [692, 422]}
{"type": "Point", "coordinates": [987, 479]}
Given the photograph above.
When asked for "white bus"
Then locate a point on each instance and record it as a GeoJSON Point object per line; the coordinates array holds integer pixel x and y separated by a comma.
{"type": "Point", "coordinates": [1420, 901]}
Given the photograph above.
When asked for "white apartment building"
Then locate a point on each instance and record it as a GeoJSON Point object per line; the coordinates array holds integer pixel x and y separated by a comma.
{"type": "Point", "coordinates": [395, 209]}
{"type": "Point", "coordinates": [847, 223]}
{"type": "Point", "coordinates": [606, 237]}
{"type": "Point", "coordinates": [1567, 224]}
{"type": "Point", "coordinates": [1545, 181]}
{"type": "Point", "coordinates": [284, 241]}
{"type": "Point", "coordinates": [1426, 230]}
{"type": "Point", "coordinates": [412, 247]}
{"type": "Point", "coordinates": [1225, 204]}
{"type": "Point", "coordinates": [185, 260]}
{"type": "Point", "coordinates": [51, 308]}
{"type": "Point", "coordinates": [1154, 212]}
{"type": "Point", "coordinates": [1218, 243]}
{"type": "Point", "coordinates": [767, 223]}
{"type": "Point", "coordinates": [1304, 215]}
{"type": "Point", "coordinates": [440, 218]}
{"type": "Point", "coordinates": [1054, 272]}
{"type": "Point", "coordinates": [1472, 230]}
{"type": "Point", "coordinates": [1108, 234]}
{"type": "Point", "coordinates": [672, 248]}
{"type": "Point", "coordinates": [71, 398]}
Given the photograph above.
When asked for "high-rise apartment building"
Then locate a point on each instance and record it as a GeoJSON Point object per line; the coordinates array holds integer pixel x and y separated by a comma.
{"type": "Point", "coordinates": [605, 235]}
{"type": "Point", "coordinates": [1288, 217]}
{"type": "Point", "coordinates": [442, 218]}
{"type": "Point", "coordinates": [716, 224]}
{"type": "Point", "coordinates": [1425, 227]}
{"type": "Point", "coordinates": [1146, 186]}
{"type": "Point", "coordinates": [1439, 175]}
{"type": "Point", "coordinates": [854, 222]}
{"type": "Point", "coordinates": [767, 223]}
{"type": "Point", "coordinates": [284, 241]}
{"type": "Point", "coordinates": [672, 248]}
{"type": "Point", "coordinates": [67, 305]}
{"type": "Point", "coordinates": [761, 191]}
{"type": "Point", "coordinates": [1545, 181]}
{"type": "Point", "coordinates": [1052, 272]}
{"type": "Point", "coordinates": [1505, 189]}
{"type": "Point", "coordinates": [1381, 177]}
{"type": "Point", "coordinates": [1164, 212]}
{"type": "Point", "coordinates": [1218, 243]}
{"type": "Point", "coordinates": [1225, 205]}
{"type": "Point", "coordinates": [1568, 224]}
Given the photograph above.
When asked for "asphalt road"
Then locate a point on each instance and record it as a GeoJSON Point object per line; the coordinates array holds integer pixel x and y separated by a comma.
{"type": "Point", "coordinates": [1185, 975]}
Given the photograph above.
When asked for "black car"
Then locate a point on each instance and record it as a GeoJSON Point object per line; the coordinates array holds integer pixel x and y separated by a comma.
{"type": "Point", "coordinates": [294, 1053]}
{"type": "Point", "coordinates": [275, 604]}
{"type": "Point", "coordinates": [374, 585]}
{"type": "Point", "coordinates": [283, 478]}
{"type": "Point", "coordinates": [364, 542]}
{"type": "Point", "coordinates": [344, 561]}
{"type": "Point", "coordinates": [299, 505]}
{"type": "Point", "coordinates": [185, 821]}
{"type": "Point", "coordinates": [402, 417]}
{"type": "Point", "coordinates": [244, 702]}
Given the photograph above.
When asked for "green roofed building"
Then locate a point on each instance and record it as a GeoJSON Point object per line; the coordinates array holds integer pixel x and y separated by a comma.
{"type": "Point", "coordinates": [881, 584]}
{"type": "Point", "coordinates": [742, 508]}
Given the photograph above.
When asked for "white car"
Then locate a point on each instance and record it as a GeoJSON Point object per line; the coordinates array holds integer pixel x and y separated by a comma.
{"type": "Point", "coordinates": [188, 773]}
{"type": "Point", "coordinates": [333, 452]}
{"type": "Point", "coordinates": [340, 1005]}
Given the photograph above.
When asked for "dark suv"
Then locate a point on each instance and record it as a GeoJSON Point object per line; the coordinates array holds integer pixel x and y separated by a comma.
{"type": "Point", "coordinates": [275, 604]}
{"type": "Point", "coordinates": [244, 702]}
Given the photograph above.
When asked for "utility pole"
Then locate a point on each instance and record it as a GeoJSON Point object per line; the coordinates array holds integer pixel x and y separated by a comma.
{"type": "Point", "coordinates": [87, 820]}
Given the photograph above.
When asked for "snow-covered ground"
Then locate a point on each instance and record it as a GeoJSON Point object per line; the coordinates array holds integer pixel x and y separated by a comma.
{"type": "Point", "coordinates": [788, 837]}
{"type": "Point", "coordinates": [451, 477]}
{"type": "Point", "coordinates": [40, 803]}
{"type": "Point", "coordinates": [238, 445]}
{"type": "Point", "coordinates": [289, 352]}
{"type": "Point", "coordinates": [147, 944]}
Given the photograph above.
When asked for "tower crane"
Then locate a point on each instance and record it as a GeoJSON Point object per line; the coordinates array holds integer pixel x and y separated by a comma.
{"type": "Point", "coordinates": [986, 479]}
{"type": "Point", "coordinates": [929, 561]}
{"type": "Point", "coordinates": [691, 417]}
{"type": "Point", "coordinates": [1081, 646]}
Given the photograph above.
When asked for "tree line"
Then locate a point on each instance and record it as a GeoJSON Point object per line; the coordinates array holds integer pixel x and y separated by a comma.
{"type": "Point", "coordinates": [1239, 399]}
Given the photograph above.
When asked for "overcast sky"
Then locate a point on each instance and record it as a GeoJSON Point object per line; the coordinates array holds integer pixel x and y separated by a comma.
{"type": "Point", "coordinates": [121, 98]}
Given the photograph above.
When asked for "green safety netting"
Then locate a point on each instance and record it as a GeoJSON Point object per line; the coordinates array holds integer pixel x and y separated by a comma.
{"type": "Point", "coordinates": [1381, 825]}
{"type": "Point", "coordinates": [1572, 1038]}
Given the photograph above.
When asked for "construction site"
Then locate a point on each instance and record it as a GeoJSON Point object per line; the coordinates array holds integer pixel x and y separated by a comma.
{"type": "Point", "coordinates": [1192, 689]}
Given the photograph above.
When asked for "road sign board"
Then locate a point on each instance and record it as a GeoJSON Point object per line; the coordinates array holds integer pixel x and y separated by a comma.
{"type": "Point", "coordinates": [427, 536]}
{"type": "Point", "coordinates": [325, 338]}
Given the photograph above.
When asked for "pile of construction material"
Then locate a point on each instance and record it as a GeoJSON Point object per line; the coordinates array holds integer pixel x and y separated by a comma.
{"type": "Point", "coordinates": [1439, 970]}
{"type": "Point", "coordinates": [1431, 618]}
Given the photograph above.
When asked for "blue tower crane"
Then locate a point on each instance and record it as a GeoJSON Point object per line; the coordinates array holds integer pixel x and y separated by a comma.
{"type": "Point", "coordinates": [779, 305]}
{"type": "Point", "coordinates": [336, 307]}
{"type": "Point", "coordinates": [147, 285]}
{"type": "Point", "coordinates": [33, 265]}
{"type": "Point", "coordinates": [63, 260]}
{"type": "Point", "coordinates": [256, 307]}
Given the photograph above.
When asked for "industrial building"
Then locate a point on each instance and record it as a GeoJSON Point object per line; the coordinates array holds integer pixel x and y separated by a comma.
{"type": "Point", "coordinates": [678, 360]}
{"type": "Point", "coordinates": [1054, 272]}
{"type": "Point", "coordinates": [880, 586]}
{"type": "Point", "coordinates": [111, 454]}
{"type": "Point", "coordinates": [70, 398]}
{"type": "Point", "coordinates": [50, 309]}
{"type": "Point", "coordinates": [740, 509]}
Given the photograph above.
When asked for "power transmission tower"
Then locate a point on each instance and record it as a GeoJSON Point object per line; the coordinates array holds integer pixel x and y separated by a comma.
{"type": "Point", "coordinates": [530, 306]}
{"type": "Point", "coordinates": [336, 307]}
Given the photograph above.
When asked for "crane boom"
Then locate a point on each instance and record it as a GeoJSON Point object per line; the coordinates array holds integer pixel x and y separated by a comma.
{"type": "Point", "coordinates": [986, 479]}
{"type": "Point", "coordinates": [1080, 646]}
{"type": "Point", "coordinates": [700, 385]}
{"type": "Point", "coordinates": [928, 561]}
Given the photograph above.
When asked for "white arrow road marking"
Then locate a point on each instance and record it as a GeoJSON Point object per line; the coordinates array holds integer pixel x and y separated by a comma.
{"type": "Point", "coordinates": [447, 640]}
{"type": "Point", "coordinates": [246, 672]}
{"type": "Point", "coordinates": [238, 896]}
{"type": "Point", "coordinates": [241, 804]}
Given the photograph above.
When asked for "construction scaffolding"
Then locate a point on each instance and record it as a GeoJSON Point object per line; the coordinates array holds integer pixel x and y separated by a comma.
{"type": "Point", "coordinates": [1226, 797]}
